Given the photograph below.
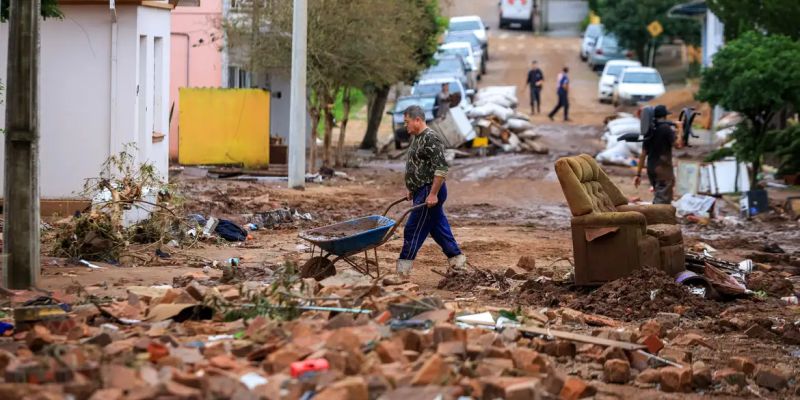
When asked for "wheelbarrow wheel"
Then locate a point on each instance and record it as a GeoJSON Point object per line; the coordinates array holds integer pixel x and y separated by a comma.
{"type": "Point", "coordinates": [318, 268]}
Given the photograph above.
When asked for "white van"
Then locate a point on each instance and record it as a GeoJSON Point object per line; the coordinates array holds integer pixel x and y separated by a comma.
{"type": "Point", "coordinates": [517, 12]}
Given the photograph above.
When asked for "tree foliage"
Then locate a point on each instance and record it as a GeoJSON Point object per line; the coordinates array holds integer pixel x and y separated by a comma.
{"type": "Point", "coordinates": [628, 20]}
{"type": "Point", "coordinates": [756, 75]}
{"type": "Point", "coordinates": [361, 44]}
{"type": "Point", "coordinates": [771, 16]}
{"type": "Point", "coordinates": [49, 9]}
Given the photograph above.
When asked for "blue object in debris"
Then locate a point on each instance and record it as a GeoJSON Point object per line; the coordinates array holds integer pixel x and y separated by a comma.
{"type": "Point", "coordinates": [5, 327]}
{"type": "Point", "coordinates": [231, 232]}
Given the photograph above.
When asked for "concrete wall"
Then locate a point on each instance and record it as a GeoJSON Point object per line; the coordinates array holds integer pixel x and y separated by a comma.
{"type": "Point", "coordinates": [197, 60]}
{"type": "Point", "coordinates": [85, 115]}
{"type": "Point", "coordinates": [564, 15]}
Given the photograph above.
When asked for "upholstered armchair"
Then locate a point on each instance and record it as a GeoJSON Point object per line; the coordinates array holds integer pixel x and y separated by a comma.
{"type": "Point", "coordinates": [611, 238]}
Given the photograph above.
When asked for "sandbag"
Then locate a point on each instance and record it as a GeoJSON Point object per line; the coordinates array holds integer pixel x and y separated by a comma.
{"type": "Point", "coordinates": [518, 125]}
{"type": "Point", "coordinates": [499, 100]}
{"type": "Point", "coordinates": [502, 113]}
{"type": "Point", "coordinates": [529, 134]}
{"type": "Point", "coordinates": [618, 154]}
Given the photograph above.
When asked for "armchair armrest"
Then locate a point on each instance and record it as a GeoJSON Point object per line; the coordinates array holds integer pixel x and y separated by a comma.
{"type": "Point", "coordinates": [611, 219]}
{"type": "Point", "coordinates": [654, 214]}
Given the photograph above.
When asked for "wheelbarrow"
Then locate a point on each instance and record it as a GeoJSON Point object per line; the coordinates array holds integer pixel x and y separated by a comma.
{"type": "Point", "coordinates": [344, 240]}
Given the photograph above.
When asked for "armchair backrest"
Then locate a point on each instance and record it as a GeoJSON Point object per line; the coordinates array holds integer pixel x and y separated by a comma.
{"type": "Point", "coordinates": [586, 186]}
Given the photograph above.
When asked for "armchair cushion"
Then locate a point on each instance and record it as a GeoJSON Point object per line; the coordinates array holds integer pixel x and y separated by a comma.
{"type": "Point", "coordinates": [666, 234]}
{"type": "Point", "coordinates": [655, 213]}
{"type": "Point", "coordinates": [611, 219]}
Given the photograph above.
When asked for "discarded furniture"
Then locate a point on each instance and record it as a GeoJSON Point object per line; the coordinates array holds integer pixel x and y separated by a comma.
{"type": "Point", "coordinates": [611, 238]}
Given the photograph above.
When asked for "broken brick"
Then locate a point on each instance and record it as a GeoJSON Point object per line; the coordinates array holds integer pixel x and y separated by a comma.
{"type": "Point", "coordinates": [523, 390]}
{"type": "Point", "coordinates": [693, 339]}
{"type": "Point", "coordinates": [528, 360]}
{"type": "Point", "coordinates": [730, 376]}
{"type": "Point", "coordinates": [452, 348]}
{"type": "Point", "coordinates": [653, 343]}
{"type": "Point", "coordinates": [675, 379]}
{"type": "Point", "coordinates": [435, 371]}
{"type": "Point", "coordinates": [575, 388]}
{"type": "Point", "coordinates": [701, 375]}
{"type": "Point", "coordinates": [771, 378]}
{"type": "Point", "coordinates": [649, 375]}
{"type": "Point", "coordinates": [351, 388]}
{"type": "Point", "coordinates": [611, 353]}
{"type": "Point", "coordinates": [616, 371]}
{"type": "Point", "coordinates": [448, 333]}
{"type": "Point", "coordinates": [390, 351]}
{"type": "Point", "coordinates": [652, 327]}
{"type": "Point", "coordinates": [742, 364]}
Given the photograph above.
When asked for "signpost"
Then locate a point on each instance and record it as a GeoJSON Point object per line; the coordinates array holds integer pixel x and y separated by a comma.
{"type": "Point", "coordinates": [655, 29]}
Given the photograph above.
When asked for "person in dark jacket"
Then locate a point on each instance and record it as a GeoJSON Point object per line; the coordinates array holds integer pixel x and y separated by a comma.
{"type": "Point", "coordinates": [657, 156]}
{"type": "Point", "coordinates": [535, 81]}
{"type": "Point", "coordinates": [563, 94]}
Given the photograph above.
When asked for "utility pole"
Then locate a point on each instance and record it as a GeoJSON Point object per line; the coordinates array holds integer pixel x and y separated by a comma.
{"type": "Point", "coordinates": [297, 108]}
{"type": "Point", "coordinates": [21, 191]}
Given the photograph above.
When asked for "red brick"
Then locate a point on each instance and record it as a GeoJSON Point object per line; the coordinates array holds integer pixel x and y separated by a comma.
{"type": "Point", "coordinates": [523, 390]}
{"type": "Point", "coordinates": [351, 388]}
{"type": "Point", "coordinates": [701, 375]}
{"type": "Point", "coordinates": [679, 356]}
{"type": "Point", "coordinates": [435, 371]}
{"type": "Point", "coordinates": [575, 388]}
{"type": "Point", "coordinates": [495, 387]}
{"type": "Point", "coordinates": [448, 333]}
{"type": "Point", "coordinates": [675, 379]}
{"type": "Point", "coordinates": [742, 364]}
{"type": "Point", "coordinates": [613, 353]}
{"type": "Point", "coordinates": [529, 360]}
{"type": "Point", "coordinates": [452, 348]}
{"type": "Point", "coordinates": [771, 378]}
{"type": "Point", "coordinates": [649, 375]}
{"type": "Point", "coordinates": [652, 327]}
{"type": "Point", "coordinates": [653, 343]}
{"type": "Point", "coordinates": [616, 371]}
{"type": "Point", "coordinates": [730, 376]}
{"type": "Point", "coordinates": [390, 351]}
{"type": "Point", "coordinates": [693, 339]}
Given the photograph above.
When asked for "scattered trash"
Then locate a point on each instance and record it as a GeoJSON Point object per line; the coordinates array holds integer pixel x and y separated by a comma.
{"type": "Point", "coordinates": [253, 380]}
{"type": "Point", "coordinates": [300, 368]}
{"type": "Point", "coordinates": [230, 231]}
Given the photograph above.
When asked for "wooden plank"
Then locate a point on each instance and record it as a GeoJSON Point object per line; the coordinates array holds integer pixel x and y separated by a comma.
{"type": "Point", "coordinates": [581, 338]}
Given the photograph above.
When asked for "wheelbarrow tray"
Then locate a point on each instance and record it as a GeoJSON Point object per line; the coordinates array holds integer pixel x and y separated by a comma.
{"type": "Point", "coordinates": [350, 237]}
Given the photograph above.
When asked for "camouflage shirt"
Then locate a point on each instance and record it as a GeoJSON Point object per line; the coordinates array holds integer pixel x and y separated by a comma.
{"type": "Point", "coordinates": [425, 159]}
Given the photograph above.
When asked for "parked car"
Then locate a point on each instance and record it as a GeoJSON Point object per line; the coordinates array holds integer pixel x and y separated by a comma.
{"type": "Point", "coordinates": [398, 126]}
{"type": "Point", "coordinates": [590, 36]}
{"type": "Point", "coordinates": [638, 84]}
{"type": "Point", "coordinates": [474, 24]}
{"type": "Point", "coordinates": [609, 77]}
{"type": "Point", "coordinates": [469, 37]}
{"type": "Point", "coordinates": [517, 12]}
{"type": "Point", "coordinates": [451, 66]}
{"type": "Point", "coordinates": [607, 48]}
{"type": "Point", "coordinates": [432, 86]}
{"type": "Point", "coordinates": [462, 49]}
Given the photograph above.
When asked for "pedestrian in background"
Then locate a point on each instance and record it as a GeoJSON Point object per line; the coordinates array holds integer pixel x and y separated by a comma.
{"type": "Point", "coordinates": [563, 94]}
{"type": "Point", "coordinates": [442, 102]}
{"type": "Point", "coordinates": [535, 81]}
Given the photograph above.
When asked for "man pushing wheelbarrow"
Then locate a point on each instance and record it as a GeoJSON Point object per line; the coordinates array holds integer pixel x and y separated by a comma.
{"type": "Point", "coordinates": [426, 170]}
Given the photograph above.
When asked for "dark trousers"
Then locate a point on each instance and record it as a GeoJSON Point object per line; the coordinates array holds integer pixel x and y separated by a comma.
{"type": "Point", "coordinates": [428, 221]}
{"type": "Point", "coordinates": [662, 188]}
{"type": "Point", "coordinates": [536, 100]}
{"type": "Point", "coordinates": [563, 101]}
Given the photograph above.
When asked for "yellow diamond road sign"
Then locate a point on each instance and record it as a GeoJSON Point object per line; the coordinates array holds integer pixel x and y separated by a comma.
{"type": "Point", "coordinates": [655, 28]}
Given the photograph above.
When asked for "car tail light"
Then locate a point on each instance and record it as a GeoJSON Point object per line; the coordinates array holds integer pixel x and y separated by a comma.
{"type": "Point", "coordinates": [599, 51]}
{"type": "Point", "coordinates": [523, 2]}
{"type": "Point", "coordinates": [511, 2]}
{"type": "Point", "coordinates": [629, 54]}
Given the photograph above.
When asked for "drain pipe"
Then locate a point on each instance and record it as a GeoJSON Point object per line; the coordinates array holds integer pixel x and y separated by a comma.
{"type": "Point", "coordinates": [113, 79]}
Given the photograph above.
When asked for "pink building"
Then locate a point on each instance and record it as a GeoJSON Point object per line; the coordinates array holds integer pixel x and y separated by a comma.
{"type": "Point", "coordinates": [197, 55]}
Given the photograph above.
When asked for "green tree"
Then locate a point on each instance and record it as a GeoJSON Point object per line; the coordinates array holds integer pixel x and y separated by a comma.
{"type": "Point", "coordinates": [771, 16]}
{"type": "Point", "coordinates": [49, 9]}
{"type": "Point", "coordinates": [628, 20]}
{"type": "Point", "coordinates": [756, 75]}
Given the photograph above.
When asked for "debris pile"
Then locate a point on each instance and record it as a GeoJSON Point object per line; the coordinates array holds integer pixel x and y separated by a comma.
{"type": "Point", "coordinates": [507, 129]}
{"type": "Point", "coordinates": [644, 294]}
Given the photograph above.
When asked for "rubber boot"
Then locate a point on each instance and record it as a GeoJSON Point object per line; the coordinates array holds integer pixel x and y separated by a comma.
{"type": "Point", "coordinates": [457, 263]}
{"type": "Point", "coordinates": [404, 268]}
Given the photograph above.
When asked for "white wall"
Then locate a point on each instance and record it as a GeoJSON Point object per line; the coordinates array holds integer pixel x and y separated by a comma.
{"type": "Point", "coordinates": [78, 131]}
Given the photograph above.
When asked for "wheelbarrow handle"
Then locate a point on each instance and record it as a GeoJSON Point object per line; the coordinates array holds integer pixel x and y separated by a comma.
{"type": "Point", "coordinates": [400, 221]}
{"type": "Point", "coordinates": [394, 204]}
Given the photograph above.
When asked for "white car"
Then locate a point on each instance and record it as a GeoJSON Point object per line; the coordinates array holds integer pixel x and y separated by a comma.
{"type": "Point", "coordinates": [463, 49]}
{"type": "Point", "coordinates": [590, 36]}
{"type": "Point", "coordinates": [638, 84]}
{"type": "Point", "coordinates": [516, 12]}
{"type": "Point", "coordinates": [471, 23]}
{"type": "Point", "coordinates": [608, 79]}
{"type": "Point", "coordinates": [432, 87]}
